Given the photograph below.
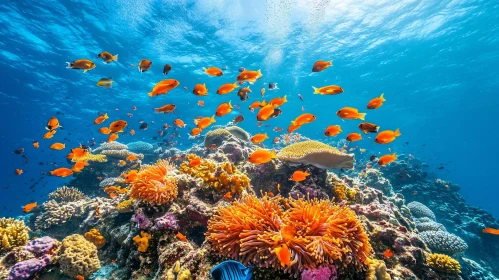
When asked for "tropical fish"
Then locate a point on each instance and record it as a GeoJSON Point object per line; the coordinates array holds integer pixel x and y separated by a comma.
{"type": "Point", "coordinates": [283, 254]}
{"type": "Point", "coordinates": [143, 126]}
{"type": "Point", "coordinates": [299, 176]}
{"type": "Point", "coordinates": [80, 277]}
{"type": "Point", "coordinates": [132, 132]}
{"type": "Point", "coordinates": [105, 82]}
{"type": "Point", "coordinates": [61, 172]}
{"type": "Point", "coordinates": [386, 159]}
{"type": "Point", "coordinates": [36, 144]}
{"type": "Point", "coordinates": [204, 122]}
{"type": "Point", "coordinates": [368, 127]}
{"type": "Point", "coordinates": [107, 57]}
{"type": "Point", "coordinates": [387, 136]}
{"type": "Point", "coordinates": [104, 130]}
{"type": "Point", "coordinates": [181, 237]}
{"type": "Point", "coordinates": [261, 156]}
{"type": "Point", "coordinates": [130, 176]}
{"type": "Point", "coordinates": [491, 231]}
{"type": "Point", "coordinates": [19, 171]}
{"type": "Point", "coordinates": [304, 119]}
{"type": "Point", "coordinates": [101, 119]}
{"type": "Point", "coordinates": [200, 90]}
{"type": "Point", "coordinates": [112, 137]}
{"type": "Point", "coordinates": [265, 112]}
{"type": "Point", "coordinates": [166, 69]}
{"type": "Point", "coordinates": [259, 138]}
{"type": "Point", "coordinates": [163, 87]}
{"type": "Point", "coordinates": [388, 253]}
{"type": "Point", "coordinates": [81, 64]}
{"type": "Point", "coordinates": [333, 130]}
{"type": "Point", "coordinates": [377, 102]}
{"type": "Point", "coordinates": [118, 126]}
{"type": "Point", "coordinates": [328, 90]}
{"type": "Point", "coordinates": [77, 153]}
{"type": "Point", "coordinates": [213, 71]}
{"type": "Point", "coordinates": [292, 127]}
{"type": "Point", "coordinates": [79, 165]}
{"type": "Point", "coordinates": [168, 108]}
{"type": "Point", "coordinates": [144, 65]}
{"type": "Point", "coordinates": [243, 93]}
{"type": "Point", "coordinates": [320, 65]}
{"type": "Point", "coordinates": [49, 134]}
{"type": "Point", "coordinates": [231, 270]}
{"type": "Point", "coordinates": [196, 131]}
{"type": "Point", "coordinates": [52, 124]}
{"type": "Point", "coordinates": [278, 101]}
{"type": "Point", "coordinates": [350, 113]}
{"type": "Point", "coordinates": [238, 119]}
{"type": "Point", "coordinates": [262, 92]}
{"type": "Point", "coordinates": [122, 162]}
{"type": "Point", "coordinates": [19, 151]}
{"type": "Point", "coordinates": [249, 76]}
{"type": "Point", "coordinates": [372, 157]}
{"type": "Point", "coordinates": [58, 146]}
{"type": "Point", "coordinates": [179, 123]}
{"type": "Point", "coordinates": [28, 207]}
{"type": "Point", "coordinates": [200, 103]}
{"type": "Point", "coordinates": [227, 195]}
{"type": "Point", "coordinates": [257, 104]}
{"type": "Point", "coordinates": [131, 158]}
{"type": "Point", "coordinates": [301, 97]}
{"type": "Point", "coordinates": [273, 86]}
{"type": "Point", "coordinates": [226, 88]}
{"type": "Point", "coordinates": [223, 109]}
{"type": "Point", "coordinates": [354, 136]}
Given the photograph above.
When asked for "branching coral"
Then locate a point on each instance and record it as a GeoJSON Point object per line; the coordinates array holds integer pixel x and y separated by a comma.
{"type": "Point", "coordinates": [221, 177]}
{"type": "Point", "coordinates": [142, 241]}
{"type": "Point", "coordinates": [316, 232]}
{"type": "Point", "coordinates": [66, 194]}
{"type": "Point", "coordinates": [443, 263]}
{"type": "Point", "coordinates": [59, 213]}
{"type": "Point", "coordinates": [155, 183]}
{"type": "Point", "coordinates": [78, 256]}
{"type": "Point", "coordinates": [96, 238]}
{"type": "Point", "coordinates": [13, 233]}
{"type": "Point", "coordinates": [317, 154]}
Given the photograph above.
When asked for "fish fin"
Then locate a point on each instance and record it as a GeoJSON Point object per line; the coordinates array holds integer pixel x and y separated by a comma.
{"type": "Point", "coordinates": [230, 105]}
{"type": "Point", "coordinates": [258, 73]}
{"type": "Point", "coordinates": [394, 156]}
{"type": "Point", "coordinates": [213, 119]}
{"type": "Point", "coordinates": [264, 103]}
{"type": "Point", "coordinates": [272, 154]}
{"type": "Point", "coordinates": [150, 94]}
{"type": "Point", "coordinates": [377, 128]}
{"type": "Point", "coordinates": [235, 85]}
{"type": "Point", "coordinates": [285, 99]}
{"type": "Point", "coordinates": [115, 58]}
{"type": "Point", "coordinates": [70, 65]}
{"type": "Point", "coordinates": [249, 90]}
{"type": "Point", "coordinates": [138, 67]}
{"type": "Point", "coordinates": [397, 132]}
{"type": "Point", "coordinates": [330, 62]}
{"type": "Point", "coordinates": [85, 71]}
{"type": "Point", "coordinates": [251, 81]}
{"type": "Point", "coordinates": [293, 123]}
{"type": "Point", "coordinates": [316, 90]}
{"type": "Point", "coordinates": [204, 69]}
{"type": "Point", "coordinates": [365, 131]}
{"type": "Point", "coordinates": [362, 116]}
{"type": "Point", "coordinates": [382, 97]}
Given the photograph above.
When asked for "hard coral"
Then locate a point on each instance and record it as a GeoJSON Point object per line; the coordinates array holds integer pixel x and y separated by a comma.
{"type": "Point", "coordinates": [419, 210]}
{"type": "Point", "coordinates": [316, 153]}
{"type": "Point", "coordinates": [13, 233]}
{"type": "Point", "coordinates": [216, 136]}
{"type": "Point", "coordinates": [78, 256]}
{"type": "Point", "coordinates": [377, 271]}
{"type": "Point", "coordinates": [59, 213]}
{"type": "Point", "coordinates": [96, 238]}
{"type": "Point", "coordinates": [91, 157]}
{"type": "Point", "coordinates": [142, 241]}
{"type": "Point", "coordinates": [443, 242]}
{"type": "Point", "coordinates": [66, 194]}
{"type": "Point", "coordinates": [443, 263]}
{"type": "Point", "coordinates": [316, 232]}
{"type": "Point", "coordinates": [125, 206]}
{"type": "Point", "coordinates": [155, 183]}
{"type": "Point", "coordinates": [221, 177]}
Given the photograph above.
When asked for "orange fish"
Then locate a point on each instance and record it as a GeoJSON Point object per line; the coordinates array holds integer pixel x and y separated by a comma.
{"type": "Point", "coordinates": [49, 134]}
{"type": "Point", "coordinates": [328, 90]}
{"type": "Point", "coordinates": [388, 253]}
{"type": "Point", "coordinates": [249, 76]}
{"type": "Point", "coordinates": [491, 231]}
{"type": "Point", "coordinates": [179, 123]}
{"type": "Point", "coordinates": [223, 109]}
{"type": "Point", "coordinates": [168, 108]}
{"type": "Point", "coordinates": [265, 112]}
{"type": "Point", "coordinates": [276, 140]}
{"type": "Point", "coordinates": [58, 146]}
{"type": "Point", "coordinates": [350, 113]}
{"type": "Point", "coordinates": [320, 65]}
{"type": "Point", "coordinates": [19, 171]}
{"type": "Point", "coordinates": [130, 176]}
{"type": "Point", "coordinates": [200, 103]}
{"type": "Point", "coordinates": [292, 127]}
{"type": "Point", "coordinates": [262, 92]}
{"type": "Point", "coordinates": [261, 156]}
{"type": "Point", "coordinates": [386, 159]}
{"type": "Point", "coordinates": [213, 71]}
{"type": "Point", "coordinates": [299, 176]}
{"type": "Point", "coordinates": [52, 124]}
{"type": "Point", "coordinates": [36, 144]}
{"type": "Point", "coordinates": [387, 136]}
{"type": "Point", "coordinates": [101, 119]}
{"type": "Point", "coordinates": [122, 163]}
{"type": "Point", "coordinates": [28, 207]}
{"type": "Point", "coordinates": [181, 237]}
{"type": "Point", "coordinates": [354, 136]}
{"type": "Point", "coordinates": [226, 88]}
{"type": "Point", "coordinates": [333, 130]}
{"type": "Point", "coordinates": [196, 131]}
{"type": "Point", "coordinates": [107, 57]}
{"type": "Point", "coordinates": [104, 130]}
{"type": "Point", "coordinates": [195, 162]}
{"type": "Point", "coordinates": [204, 122]}
{"type": "Point", "coordinates": [131, 158]}
{"type": "Point", "coordinates": [144, 65]}
{"type": "Point", "coordinates": [257, 104]}
{"type": "Point", "coordinates": [377, 102]}
{"type": "Point", "coordinates": [200, 90]}
{"type": "Point", "coordinates": [79, 277]}
{"type": "Point", "coordinates": [284, 255]}
{"type": "Point", "coordinates": [61, 172]}
{"type": "Point", "coordinates": [82, 64]}
{"type": "Point", "coordinates": [278, 101]}
{"type": "Point", "coordinates": [303, 119]}
{"type": "Point", "coordinates": [112, 137]}
{"type": "Point", "coordinates": [132, 132]}
{"type": "Point", "coordinates": [118, 126]}
{"type": "Point", "coordinates": [97, 211]}
{"type": "Point", "coordinates": [368, 127]}
{"type": "Point", "coordinates": [164, 87]}
{"type": "Point", "coordinates": [227, 195]}
{"type": "Point", "coordinates": [77, 153]}
{"type": "Point", "coordinates": [259, 138]}
{"type": "Point", "coordinates": [79, 165]}
{"type": "Point", "coordinates": [278, 187]}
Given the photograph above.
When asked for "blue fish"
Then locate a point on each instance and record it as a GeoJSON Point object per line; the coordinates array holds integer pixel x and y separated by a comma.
{"type": "Point", "coordinates": [231, 270]}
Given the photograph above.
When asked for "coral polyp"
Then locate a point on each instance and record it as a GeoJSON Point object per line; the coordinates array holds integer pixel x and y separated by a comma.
{"type": "Point", "coordinates": [155, 184]}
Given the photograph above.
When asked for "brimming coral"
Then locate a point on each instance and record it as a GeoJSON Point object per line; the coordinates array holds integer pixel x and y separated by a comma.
{"type": "Point", "coordinates": [26, 269]}
{"type": "Point", "coordinates": [177, 273]}
{"type": "Point", "coordinates": [96, 238]}
{"type": "Point", "coordinates": [155, 184]}
{"type": "Point", "coordinates": [419, 210]}
{"type": "Point", "coordinates": [320, 273]}
{"type": "Point", "coordinates": [13, 233]}
{"type": "Point", "coordinates": [443, 263]}
{"type": "Point", "coordinates": [78, 256]}
{"type": "Point", "coordinates": [166, 222]}
{"type": "Point", "coordinates": [316, 153]}
{"type": "Point", "coordinates": [377, 271]}
{"type": "Point", "coordinates": [443, 242]}
{"type": "Point", "coordinates": [142, 241]}
{"type": "Point", "coordinates": [141, 220]}
{"type": "Point", "coordinates": [343, 192]}
{"type": "Point", "coordinates": [66, 194]}
{"type": "Point", "coordinates": [316, 232]}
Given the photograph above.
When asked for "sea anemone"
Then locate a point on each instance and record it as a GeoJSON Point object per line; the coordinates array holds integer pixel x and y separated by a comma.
{"type": "Point", "coordinates": [155, 183]}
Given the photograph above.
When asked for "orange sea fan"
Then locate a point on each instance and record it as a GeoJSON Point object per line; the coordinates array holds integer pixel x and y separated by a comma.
{"type": "Point", "coordinates": [155, 183]}
{"type": "Point", "coordinates": [316, 232]}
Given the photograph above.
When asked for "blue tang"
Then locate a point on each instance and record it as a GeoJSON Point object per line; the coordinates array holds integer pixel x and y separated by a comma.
{"type": "Point", "coordinates": [231, 270]}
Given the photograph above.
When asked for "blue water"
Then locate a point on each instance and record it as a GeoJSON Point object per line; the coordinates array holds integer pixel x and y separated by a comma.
{"type": "Point", "coordinates": [436, 61]}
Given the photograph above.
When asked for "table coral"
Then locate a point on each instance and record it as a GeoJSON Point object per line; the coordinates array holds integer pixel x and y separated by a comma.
{"type": "Point", "coordinates": [316, 153]}
{"type": "Point", "coordinates": [96, 238]}
{"type": "Point", "coordinates": [78, 256]}
{"type": "Point", "coordinates": [443, 263]}
{"type": "Point", "coordinates": [316, 232]}
{"type": "Point", "coordinates": [13, 233]}
{"type": "Point", "coordinates": [66, 194]}
{"type": "Point", "coordinates": [142, 241]}
{"type": "Point", "coordinates": [110, 146]}
{"type": "Point", "coordinates": [155, 184]}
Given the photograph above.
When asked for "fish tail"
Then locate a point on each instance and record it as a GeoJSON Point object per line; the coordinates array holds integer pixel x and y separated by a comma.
{"type": "Point", "coordinates": [285, 99]}
{"type": "Point", "coordinates": [382, 97]}
{"type": "Point", "coordinates": [230, 105]}
{"type": "Point", "coordinates": [204, 69]}
{"type": "Point", "coordinates": [258, 73]}
{"type": "Point", "coordinates": [235, 85]}
{"type": "Point", "coordinates": [362, 116]}
{"type": "Point", "coordinates": [293, 123]}
{"type": "Point", "coordinates": [70, 65]}
{"type": "Point", "coordinates": [316, 90]}
{"type": "Point", "coordinates": [377, 128]}
{"type": "Point", "coordinates": [397, 132]}
{"type": "Point", "coordinates": [272, 154]}
{"type": "Point", "coordinates": [150, 94]}
{"type": "Point", "coordinates": [264, 103]}
{"type": "Point", "coordinates": [330, 62]}
{"type": "Point", "coordinates": [213, 119]}
{"type": "Point", "coordinates": [106, 116]}
{"type": "Point", "coordinates": [138, 67]}
{"type": "Point", "coordinates": [394, 156]}
{"type": "Point", "coordinates": [115, 58]}
{"type": "Point", "coordinates": [249, 90]}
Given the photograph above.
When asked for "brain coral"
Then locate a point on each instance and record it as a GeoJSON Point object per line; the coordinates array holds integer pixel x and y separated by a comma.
{"type": "Point", "coordinates": [140, 147]}
{"type": "Point", "coordinates": [316, 232]}
{"type": "Point", "coordinates": [216, 136]}
{"type": "Point", "coordinates": [78, 256]}
{"type": "Point", "coordinates": [443, 242]}
{"type": "Point", "coordinates": [443, 263]}
{"type": "Point", "coordinates": [110, 146]}
{"type": "Point", "coordinates": [155, 183]}
{"type": "Point", "coordinates": [239, 133]}
{"type": "Point", "coordinates": [13, 233]}
{"type": "Point", "coordinates": [377, 271]}
{"type": "Point", "coordinates": [65, 194]}
{"type": "Point", "coordinates": [430, 226]}
{"type": "Point", "coordinates": [317, 154]}
{"type": "Point", "coordinates": [419, 210]}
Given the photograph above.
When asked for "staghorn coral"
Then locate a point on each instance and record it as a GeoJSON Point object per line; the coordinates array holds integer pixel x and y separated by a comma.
{"type": "Point", "coordinates": [221, 177]}
{"type": "Point", "coordinates": [377, 271]}
{"type": "Point", "coordinates": [13, 233]}
{"type": "Point", "coordinates": [90, 157]}
{"type": "Point", "coordinates": [142, 241]}
{"type": "Point", "coordinates": [110, 146]}
{"type": "Point", "coordinates": [419, 210]}
{"type": "Point", "coordinates": [96, 238]}
{"type": "Point", "coordinates": [216, 137]}
{"type": "Point", "coordinates": [443, 263]}
{"type": "Point", "coordinates": [125, 206]}
{"type": "Point", "coordinates": [140, 147]}
{"type": "Point", "coordinates": [59, 213]}
{"type": "Point", "coordinates": [155, 183]}
{"type": "Point", "coordinates": [316, 232]}
{"type": "Point", "coordinates": [443, 242]}
{"type": "Point", "coordinates": [78, 256]}
{"type": "Point", "coordinates": [316, 153]}
{"type": "Point", "coordinates": [66, 194]}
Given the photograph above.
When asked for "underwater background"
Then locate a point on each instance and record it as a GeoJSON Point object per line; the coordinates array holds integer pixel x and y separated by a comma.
{"type": "Point", "coordinates": [435, 61]}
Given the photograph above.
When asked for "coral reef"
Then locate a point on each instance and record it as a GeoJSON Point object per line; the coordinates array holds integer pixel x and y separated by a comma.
{"type": "Point", "coordinates": [142, 221]}
{"type": "Point", "coordinates": [216, 137]}
{"type": "Point", "coordinates": [78, 256]}
{"type": "Point", "coordinates": [13, 233]}
{"type": "Point", "coordinates": [444, 242]}
{"type": "Point", "coordinates": [155, 183]}
{"type": "Point", "coordinates": [121, 154]}
{"type": "Point", "coordinates": [55, 213]}
{"type": "Point", "coordinates": [443, 263]}
{"type": "Point", "coordinates": [377, 271]}
{"type": "Point", "coordinates": [140, 147]}
{"type": "Point", "coordinates": [320, 273]}
{"type": "Point", "coordinates": [317, 154]}
{"type": "Point", "coordinates": [125, 205]}
{"type": "Point", "coordinates": [419, 210]}
{"type": "Point", "coordinates": [95, 237]}
{"type": "Point", "coordinates": [142, 241]}
{"type": "Point", "coordinates": [110, 146]}
{"type": "Point", "coordinates": [239, 133]}
{"type": "Point", "coordinates": [66, 194]}
{"type": "Point", "coordinates": [166, 222]}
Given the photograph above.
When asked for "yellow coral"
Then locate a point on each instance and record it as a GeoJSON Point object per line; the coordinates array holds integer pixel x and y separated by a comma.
{"type": "Point", "coordinates": [125, 205]}
{"type": "Point", "coordinates": [95, 237]}
{"type": "Point", "coordinates": [443, 263]}
{"type": "Point", "coordinates": [155, 183]}
{"type": "Point", "coordinates": [317, 154]}
{"type": "Point", "coordinates": [78, 256]}
{"type": "Point", "coordinates": [91, 157]}
{"type": "Point", "coordinates": [221, 177]}
{"type": "Point", "coordinates": [342, 192]}
{"type": "Point", "coordinates": [377, 271]}
{"type": "Point", "coordinates": [13, 233]}
{"type": "Point", "coordinates": [142, 241]}
{"type": "Point", "coordinates": [177, 273]}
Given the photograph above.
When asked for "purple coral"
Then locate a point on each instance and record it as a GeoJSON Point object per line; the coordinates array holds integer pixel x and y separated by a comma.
{"type": "Point", "coordinates": [26, 269]}
{"type": "Point", "coordinates": [320, 273]}
{"type": "Point", "coordinates": [166, 222]}
{"type": "Point", "coordinates": [42, 245]}
{"type": "Point", "coordinates": [142, 221]}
